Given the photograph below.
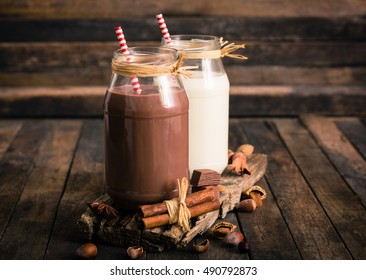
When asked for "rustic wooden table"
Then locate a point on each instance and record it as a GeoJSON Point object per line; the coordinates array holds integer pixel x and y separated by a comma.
{"type": "Point", "coordinates": [315, 182]}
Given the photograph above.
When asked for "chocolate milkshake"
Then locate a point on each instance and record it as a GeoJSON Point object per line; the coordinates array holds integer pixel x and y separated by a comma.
{"type": "Point", "coordinates": [146, 144]}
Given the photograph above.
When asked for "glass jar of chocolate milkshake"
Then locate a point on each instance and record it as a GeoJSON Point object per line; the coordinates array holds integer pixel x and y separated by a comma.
{"type": "Point", "coordinates": [146, 130]}
{"type": "Point", "coordinates": [208, 93]}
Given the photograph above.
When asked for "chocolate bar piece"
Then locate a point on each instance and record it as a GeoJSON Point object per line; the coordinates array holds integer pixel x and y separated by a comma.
{"type": "Point", "coordinates": [205, 177]}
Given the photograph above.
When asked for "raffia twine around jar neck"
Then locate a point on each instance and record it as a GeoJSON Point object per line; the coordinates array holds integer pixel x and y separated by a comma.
{"type": "Point", "coordinates": [210, 47]}
{"type": "Point", "coordinates": [142, 67]}
{"type": "Point", "coordinates": [226, 50]}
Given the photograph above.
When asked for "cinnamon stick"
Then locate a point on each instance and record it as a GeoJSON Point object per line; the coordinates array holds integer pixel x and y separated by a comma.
{"type": "Point", "coordinates": [196, 210]}
{"type": "Point", "coordinates": [192, 199]}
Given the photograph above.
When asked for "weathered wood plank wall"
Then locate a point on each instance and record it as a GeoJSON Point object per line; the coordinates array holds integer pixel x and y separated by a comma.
{"type": "Point", "coordinates": [140, 8]}
{"type": "Point", "coordinates": [294, 43]}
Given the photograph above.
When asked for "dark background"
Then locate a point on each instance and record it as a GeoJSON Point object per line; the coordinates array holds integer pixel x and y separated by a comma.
{"type": "Point", "coordinates": [295, 47]}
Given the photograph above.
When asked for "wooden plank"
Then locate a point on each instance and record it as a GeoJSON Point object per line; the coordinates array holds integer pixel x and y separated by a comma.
{"type": "Point", "coordinates": [341, 205]}
{"type": "Point", "coordinates": [218, 249]}
{"type": "Point", "coordinates": [295, 100]}
{"type": "Point", "coordinates": [52, 101]}
{"type": "Point", "coordinates": [16, 165]}
{"type": "Point", "coordinates": [238, 75]}
{"type": "Point", "coordinates": [121, 9]}
{"type": "Point", "coordinates": [85, 182]}
{"type": "Point", "coordinates": [67, 63]}
{"type": "Point", "coordinates": [344, 156]}
{"type": "Point", "coordinates": [244, 100]}
{"type": "Point", "coordinates": [56, 55]}
{"type": "Point", "coordinates": [295, 75]}
{"type": "Point", "coordinates": [267, 232]}
{"type": "Point", "coordinates": [265, 228]}
{"type": "Point", "coordinates": [185, 253]}
{"type": "Point", "coordinates": [8, 130]}
{"type": "Point", "coordinates": [292, 54]}
{"type": "Point", "coordinates": [297, 28]}
{"type": "Point", "coordinates": [236, 134]}
{"type": "Point", "coordinates": [312, 232]}
{"type": "Point", "coordinates": [27, 234]}
{"type": "Point", "coordinates": [355, 132]}
{"type": "Point", "coordinates": [47, 56]}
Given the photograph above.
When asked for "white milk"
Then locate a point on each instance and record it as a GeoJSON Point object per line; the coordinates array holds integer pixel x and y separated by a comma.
{"type": "Point", "coordinates": [208, 120]}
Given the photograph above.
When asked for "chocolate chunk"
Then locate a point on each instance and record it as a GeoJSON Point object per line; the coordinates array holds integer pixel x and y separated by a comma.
{"type": "Point", "coordinates": [205, 177]}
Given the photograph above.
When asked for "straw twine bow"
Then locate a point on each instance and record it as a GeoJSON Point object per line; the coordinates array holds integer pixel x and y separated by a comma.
{"type": "Point", "coordinates": [178, 69]}
{"type": "Point", "coordinates": [125, 68]}
{"type": "Point", "coordinates": [177, 208]}
{"type": "Point", "coordinates": [225, 50]}
{"type": "Point", "coordinates": [228, 49]}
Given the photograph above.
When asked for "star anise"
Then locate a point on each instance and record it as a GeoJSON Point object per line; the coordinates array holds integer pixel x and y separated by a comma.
{"type": "Point", "coordinates": [102, 209]}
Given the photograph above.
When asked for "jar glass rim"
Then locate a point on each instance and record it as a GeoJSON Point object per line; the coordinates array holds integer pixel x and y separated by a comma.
{"type": "Point", "coordinates": [148, 54]}
{"type": "Point", "coordinates": [194, 42]}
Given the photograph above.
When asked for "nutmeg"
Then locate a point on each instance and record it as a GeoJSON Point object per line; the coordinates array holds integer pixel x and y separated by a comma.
{"type": "Point", "coordinates": [246, 205]}
{"type": "Point", "coordinates": [202, 247]}
{"type": "Point", "coordinates": [87, 251]}
{"type": "Point", "coordinates": [234, 238]}
{"type": "Point", "coordinates": [135, 252]}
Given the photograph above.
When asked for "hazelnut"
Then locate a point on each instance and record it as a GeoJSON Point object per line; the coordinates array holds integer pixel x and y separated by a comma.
{"type": "Point", "coordinates": [257, 197]}
{"type": "Point", "coordinates": [244, 247]}
{"type": "Point", "coordinates": [246, 205]}
{"type": "Point", "coordinates": [135, 252]}
{"type": "Point", "coordinates": [246, 149]}
{"type": "Point", "coordinates": [221, 229]}
{"type": "Point", "coordinates": [234, 238]}
{"type": "Point", "coordinates": [87, 251]}
{"type": "Point", "coordinates": [202, 247]}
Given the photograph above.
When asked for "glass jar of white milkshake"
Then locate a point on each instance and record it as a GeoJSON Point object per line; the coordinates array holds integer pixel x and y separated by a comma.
{"type": "Point", "coordinates": [208, 94]}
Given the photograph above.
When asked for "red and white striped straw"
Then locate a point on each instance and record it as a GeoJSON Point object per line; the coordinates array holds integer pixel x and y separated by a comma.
{"type": "Point", "coordinates": [164, 29]}
{"type": "Point", "coordinates": [124, 49]}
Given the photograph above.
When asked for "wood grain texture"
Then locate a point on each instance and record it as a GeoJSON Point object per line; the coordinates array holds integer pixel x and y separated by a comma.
{"type": "Point", "coordinates": [312, 231]}
{"type": "Point", "coordinates": [295, 100]}
{"type": "Point", "coordinates": [355, 131]}
{"type": "Point", "coordinates": [123, 9]}
{"type": "Point", "coordinates": [219, 250]}
{"type": "Point", "coordinates": [16, 166]}
{"type": "Point", "coordinates": [54, 43]}
{"type": "Point", "coordinates": [27, 234]}
{"type": "Point", "coordinates": [298, 28]}
{"type": "Point", "coordinates": [344, 156]}
{"type": "Point", "coordinates": [274, 75]}
{"type": "Point", "coordinates": [264, 229]}
{"type": "Point", "coordinates": [39, 56]}
{"type": "Point", "coordinates": [88, 63]}
{"type": "Point", "coordinates": [257, 165]}
{"type": "Point", "coordinates": [87, 101]}
{"type": "Point", "coordinates": [85, 182]}
{"type": "Point", "coordinates": [238, 75]}
{"type": "Point", "coordinates": [52, 101]}
{"type": "Point", "coordinates": [311, 210]}
{"type": "Point", "coordinates": [267, 232]}
{"type": "Point", "coordinates": [339, 202]}
{"type": "Point", "coordinates": [8, 130]}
